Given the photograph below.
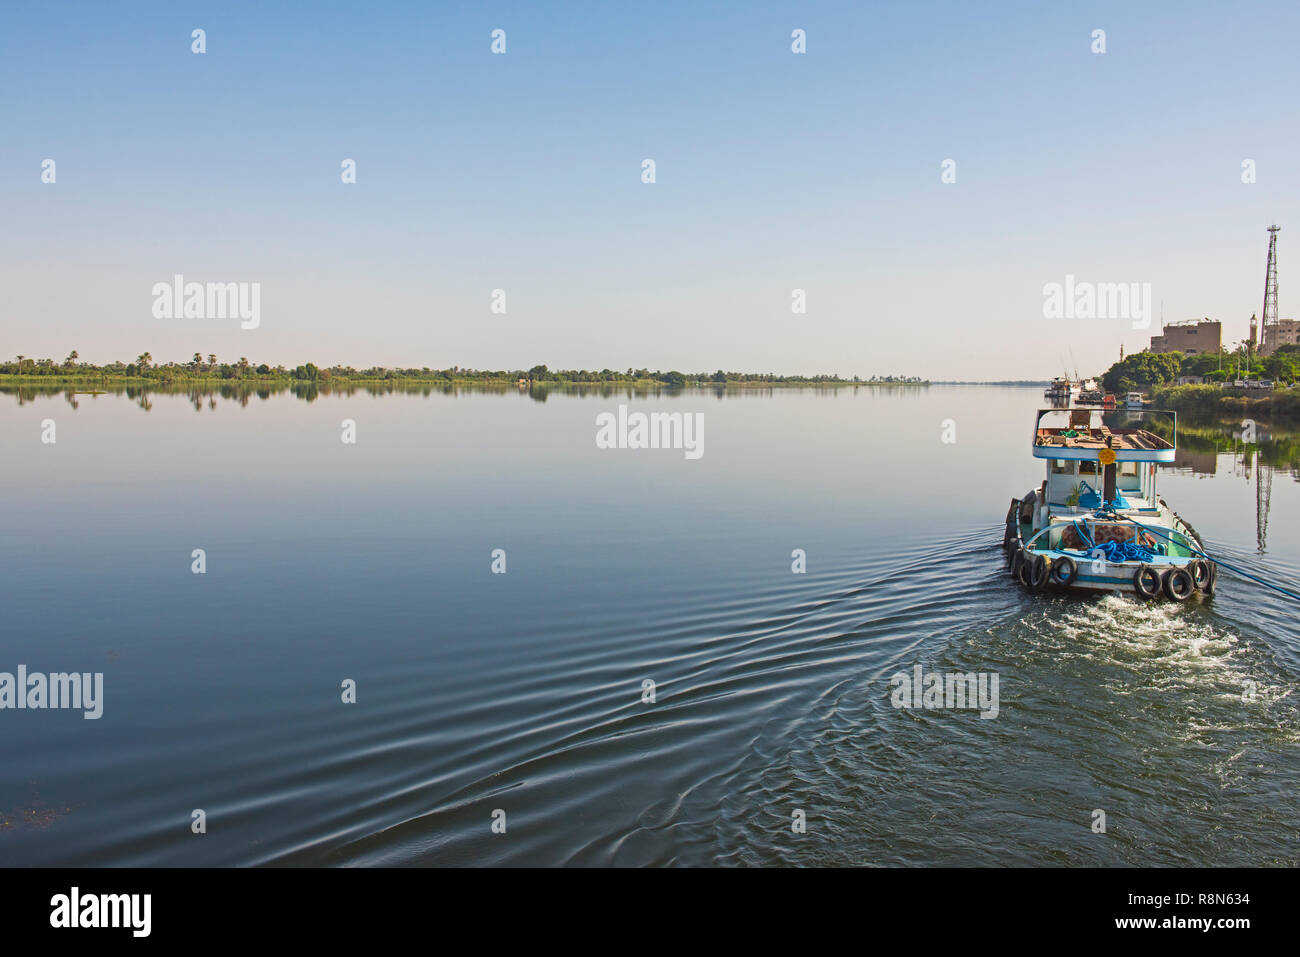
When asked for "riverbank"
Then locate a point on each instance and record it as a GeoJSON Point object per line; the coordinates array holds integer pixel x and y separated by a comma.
{"type": "Point", "coordinates": [255, 381]}
{"type": "Point", "coordinates": [1282, 405]}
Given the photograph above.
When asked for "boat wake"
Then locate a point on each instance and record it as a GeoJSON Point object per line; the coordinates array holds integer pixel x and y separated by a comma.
{"type": "Point", "coordinates": [1106, 703]}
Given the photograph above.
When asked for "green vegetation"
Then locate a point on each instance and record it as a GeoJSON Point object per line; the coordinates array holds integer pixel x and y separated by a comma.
{"type": "Point", "coordinates": [1282, 404]}
{"type": "Point", "coordinates": [1143, 370]}
{"type": "Point", "coordinates": [1159, 373]}
{"type": "Point", "coordinates": [201, 370]}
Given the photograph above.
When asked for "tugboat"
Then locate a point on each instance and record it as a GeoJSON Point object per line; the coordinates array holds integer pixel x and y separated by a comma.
{"type": "Point", "coordinates": [1097, 523]}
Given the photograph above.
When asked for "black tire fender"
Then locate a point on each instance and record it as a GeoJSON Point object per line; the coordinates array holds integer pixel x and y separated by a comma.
{"type": "Point", "coordinates": [1064, 570]}
{"type": "Point", "coordinates": [1022, 568]}
{"type": "Point", "coordinates": [1178, 584]}
{"type": "Point", "coordinates": [1199, 569]}
{"type": "Point", "coordinates": [1146, 581]}
{"type": "Point", "coordinates": [1037, 572]}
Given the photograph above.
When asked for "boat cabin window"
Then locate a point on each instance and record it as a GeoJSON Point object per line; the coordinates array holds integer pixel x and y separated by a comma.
{"type": "Point", "coordinates": [1062, 467]}
{"type": "Point", "coordinates": [1128, 468]}
{"type": "Point", "coordinates": [1087, 468]}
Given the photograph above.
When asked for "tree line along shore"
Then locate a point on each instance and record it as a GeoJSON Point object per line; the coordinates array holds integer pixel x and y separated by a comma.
{"type": "Point", "coordinates": [206, 369]}
{"type": "Point", "coordinates": [1165, 377]}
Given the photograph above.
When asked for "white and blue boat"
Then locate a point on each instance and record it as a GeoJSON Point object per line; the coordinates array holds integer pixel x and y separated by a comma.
{"type": "Point", "coordinates": [1097, 522]}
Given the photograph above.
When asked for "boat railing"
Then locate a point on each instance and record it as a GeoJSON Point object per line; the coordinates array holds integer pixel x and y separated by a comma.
{"type": "Point", "coordinates": [1160, 423]}
{"type": "Point", "coordinates": [1084, 534]}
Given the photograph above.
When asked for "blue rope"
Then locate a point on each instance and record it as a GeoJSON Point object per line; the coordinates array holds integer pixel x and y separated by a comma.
{"type": "Point", "coordinates": [1219, 561]}
{"type": "Point", "coordinates": [1114, 551]}
{"type": "Point", "coordinates": [1125, 552]}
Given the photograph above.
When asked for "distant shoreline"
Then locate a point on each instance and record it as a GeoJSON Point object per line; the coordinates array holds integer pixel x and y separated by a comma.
{"type": "Point", "coordinates": [255, 381]}
{"type": "Point", "coordinates": [1026, 383]}
{"type": "Point", "coordinates": [246, 373]}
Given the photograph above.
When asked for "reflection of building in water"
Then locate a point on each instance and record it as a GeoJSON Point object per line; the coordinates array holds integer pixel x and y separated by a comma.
{"type": "Point", "coordinates": [1263, 497]}
{"type": "Point", "coordinates": [1246, 463]}
{"type": "Point", "coordinates": [1202, 463]}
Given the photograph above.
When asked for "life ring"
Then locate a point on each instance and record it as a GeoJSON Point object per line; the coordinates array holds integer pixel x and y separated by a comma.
{"type": "Point", "coordinates": [1199, 569]}
{"type": "Point", "coordinates": [1213, 581]}
{"type": "Point", "coordinates": [1064, 571]}
{"type": "Point", "coordinates": [1022, 569]}
{"type": "Point", "coordinates": [1178, 583]}
{"type": "Point", "coordinates": [1146, 582]}
{"type": "Point", "coordinates": [1037, 572]}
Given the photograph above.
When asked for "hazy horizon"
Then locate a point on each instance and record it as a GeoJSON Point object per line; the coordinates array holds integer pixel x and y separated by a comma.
{"type": "Point", "coordinates": [775, 171]}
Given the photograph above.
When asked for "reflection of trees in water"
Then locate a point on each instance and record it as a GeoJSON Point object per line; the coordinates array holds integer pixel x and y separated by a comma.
{"type": "Point", "coordinates": [1199, 434]}
{"type": "Point", "coordinates": [1257, 451]}
{"type": "Point", "coordinates": [1275, 446]}
{"type": "Point", "coordinates": [309, 391]}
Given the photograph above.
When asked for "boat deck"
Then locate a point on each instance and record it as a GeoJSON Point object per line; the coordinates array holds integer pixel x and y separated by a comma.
{"type": "Point", "coordinates": [1138, 506]}
{"type": "Point", "coordinates": [1101, 437]}
{"type": "Point", "coordinates": [1062, 539]}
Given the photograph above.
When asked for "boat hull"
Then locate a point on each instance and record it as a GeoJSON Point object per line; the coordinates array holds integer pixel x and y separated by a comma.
{"type": "Point", "coordinates": [1099, 576]}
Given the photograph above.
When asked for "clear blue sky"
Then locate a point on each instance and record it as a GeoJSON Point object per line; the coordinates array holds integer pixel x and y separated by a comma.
{"type": "Point", "coordinates": [775, 171]}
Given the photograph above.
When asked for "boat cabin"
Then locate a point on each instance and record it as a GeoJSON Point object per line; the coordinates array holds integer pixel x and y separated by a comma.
{"type": "Point", "coordinates": [1096, 456]}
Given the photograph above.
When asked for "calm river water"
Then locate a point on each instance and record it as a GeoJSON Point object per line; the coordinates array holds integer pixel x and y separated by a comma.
{"type": "Point", "coordinates": [525, 693]}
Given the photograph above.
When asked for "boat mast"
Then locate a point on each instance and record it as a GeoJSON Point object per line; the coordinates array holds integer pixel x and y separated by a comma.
{"type": "Point", "coordinates": [1108, 477]}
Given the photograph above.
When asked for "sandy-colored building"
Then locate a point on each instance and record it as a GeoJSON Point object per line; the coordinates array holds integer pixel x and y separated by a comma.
{"type": "Point", "coordinates": [1283, 332]}
{"type": "Point", "coordinates": [1190, 338]}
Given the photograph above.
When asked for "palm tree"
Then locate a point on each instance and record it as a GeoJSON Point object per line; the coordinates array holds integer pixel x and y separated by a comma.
{"type": "Point", "coordinates": [212, 360]}
{"type": "Point", "coordinates": [198, 361]}
{"type": "Point", "coordinates": [72, 358]}
{"type": "Point", "coordinates": [143, 360]}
